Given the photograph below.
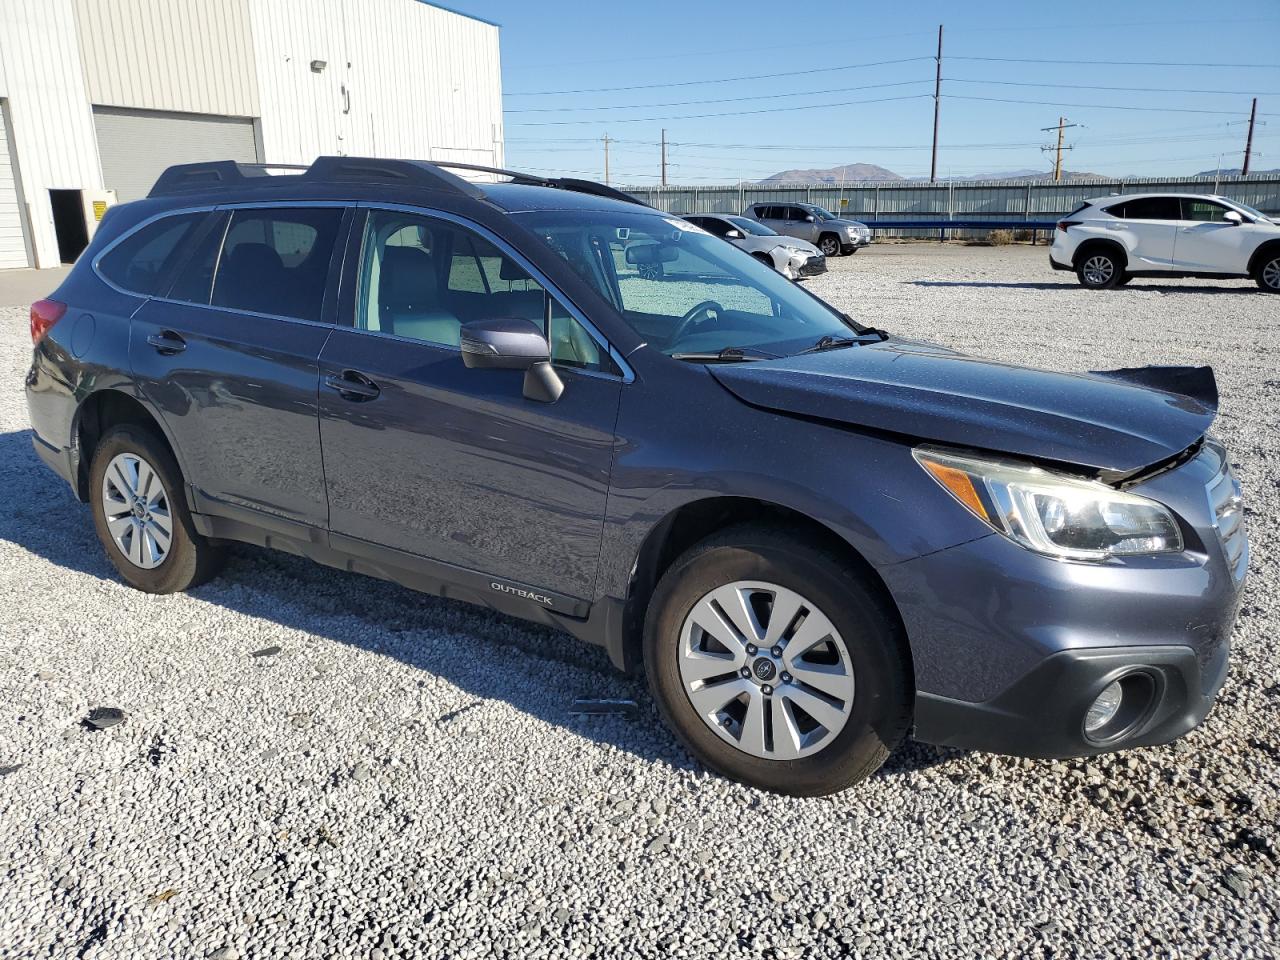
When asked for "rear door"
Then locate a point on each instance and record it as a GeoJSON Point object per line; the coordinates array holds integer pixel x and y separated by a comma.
{"type": "Point", "coordinates": [434, 460]}
{"type": "Point", "coordinates": [1147, 227]}
{"type": "Point", "coordinates": [230, 359]}
{"type": "Point", "coordinates": [1206, 242]}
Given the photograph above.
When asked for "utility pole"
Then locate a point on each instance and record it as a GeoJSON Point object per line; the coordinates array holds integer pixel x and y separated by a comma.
{"type": "Point", "coordinates": [664, 156]}
{"type": "Point", "coordinates": [1248, 143]}
{"type": "Point", "coordinates": [606, 159]}
{"type": "Point", "coordinates": [1057, 161]}
{"type": "Point", "coordinates": [937, 105]}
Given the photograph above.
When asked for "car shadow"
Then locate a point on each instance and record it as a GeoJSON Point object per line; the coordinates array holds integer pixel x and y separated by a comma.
{"type": "Point", "coordinates": [45, 519]}
{"type": "Point", "coordinates": [1068, 285]}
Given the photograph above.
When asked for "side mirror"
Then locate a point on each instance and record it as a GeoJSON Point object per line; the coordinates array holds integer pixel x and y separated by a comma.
{"type": "Point", "coordinates": [810, 218]}
{"type": "Point", "coordinates": [1233, 216]}
{"type": "Point", "coordinates": [733, 235]}
{"type": "Point", "coordinates": [512, 344]}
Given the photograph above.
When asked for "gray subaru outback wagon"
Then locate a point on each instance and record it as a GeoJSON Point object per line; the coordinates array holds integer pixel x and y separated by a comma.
{"type": "Point", "coordinates": [814, 537]}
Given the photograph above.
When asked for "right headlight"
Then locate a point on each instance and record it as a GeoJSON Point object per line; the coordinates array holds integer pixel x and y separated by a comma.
{"type": "Point", "coordinates": [1051, 513]}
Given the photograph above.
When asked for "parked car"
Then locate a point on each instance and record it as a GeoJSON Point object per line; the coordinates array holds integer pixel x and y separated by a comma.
{"type": "Point", "coordinates": [794, 259]}
{"type": "Point", "coordinates": [831, 234]}
{"type": "Point", "coordinates": [785, 517]}
{"type": "Point", "coordinates": [1110, 240]}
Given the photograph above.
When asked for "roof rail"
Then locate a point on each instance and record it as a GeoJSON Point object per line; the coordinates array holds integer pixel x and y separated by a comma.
{"type": "Point", "coordinates": [186, 177]}
{"type": "Point", "coordinates": [560, 183]}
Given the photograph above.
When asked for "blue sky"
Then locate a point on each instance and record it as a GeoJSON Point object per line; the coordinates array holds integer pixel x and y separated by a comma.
{"type": "Point", "coordinates": [664, 51]}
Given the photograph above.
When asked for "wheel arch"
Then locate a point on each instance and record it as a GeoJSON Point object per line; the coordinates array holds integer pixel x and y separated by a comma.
{"type": "Point", "coordinates": [1266, 249]}
{"type": "Point", "coordinates": [98, 413]}
{"type": "Point", "coordinates": [1099, 243]}
{"type": "Point", "coordinates": [697, 520]}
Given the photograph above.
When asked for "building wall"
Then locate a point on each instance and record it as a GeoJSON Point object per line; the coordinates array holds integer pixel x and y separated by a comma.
{"type": "Point", "coordinates": [188, 56]}
{"type": "Point", "coordinates": [402, 78]}
{"type": "Point", "coordinates": [53, 140]}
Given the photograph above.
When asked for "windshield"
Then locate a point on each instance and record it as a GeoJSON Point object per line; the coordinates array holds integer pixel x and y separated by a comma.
{"type": "Point", "coordinates": [683, 290]}
{"type": "Point", "coordinates": [1248, 209]}
{"type": "Point", "coordinates": [751, 226]}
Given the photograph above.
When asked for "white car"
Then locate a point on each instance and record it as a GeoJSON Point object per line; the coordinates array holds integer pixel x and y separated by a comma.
{"type": "Point", "coordinates": [1110, 240]}
{"type": "Point", "coordinates": [792, 258]}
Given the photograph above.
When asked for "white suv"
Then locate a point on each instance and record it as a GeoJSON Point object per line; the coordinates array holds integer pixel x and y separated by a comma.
{"type": "Point", "coordinates": [1110, 240]}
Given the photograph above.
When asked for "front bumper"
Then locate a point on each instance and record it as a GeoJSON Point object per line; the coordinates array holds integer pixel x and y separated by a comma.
{"type": "Point", "coordinates": [1042, 715]}
{"type": "Point", "coordinates": [1011, 647]}
{"type": "Point", "coordinates": [812, 267]}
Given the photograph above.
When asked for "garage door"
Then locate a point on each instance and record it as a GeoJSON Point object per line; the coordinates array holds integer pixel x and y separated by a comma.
{"type": "Point", "coordinates": [136, 146]}
{"type": "Point", "coordinates": [13, 249]}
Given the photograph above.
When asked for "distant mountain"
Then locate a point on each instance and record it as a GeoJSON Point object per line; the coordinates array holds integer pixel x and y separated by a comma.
{"type": "Point", "coordinates": [844, 174]}
{"type": "Point", "coordinates": [852, 172]}
{"type": "Point", "coordinates": [1234, 172]}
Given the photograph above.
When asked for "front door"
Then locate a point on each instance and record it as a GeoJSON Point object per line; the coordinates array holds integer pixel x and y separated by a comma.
{"type": "Point", "coordinates": [1206, 242]}
{"type": "Point", "coordinates": [231, 360]}
{"type": "Point", "coordinates": [427, 457]}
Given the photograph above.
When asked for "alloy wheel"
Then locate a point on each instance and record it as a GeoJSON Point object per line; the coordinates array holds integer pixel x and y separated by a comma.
{"type": "Point", "coordinates": [1098, 270]}
{"type": "Point", "coordinates": [136, 506]}
{"type": "Point", "coordinates": [1271, 274]}
{"type": "Point", "coordinates": [829, 246]}
{"type": "Point", "coordinates": [766, 670]}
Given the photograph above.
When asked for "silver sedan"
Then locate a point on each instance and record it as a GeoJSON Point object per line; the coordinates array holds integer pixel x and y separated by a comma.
{"type": "Point", "coordinates": [793, 258]}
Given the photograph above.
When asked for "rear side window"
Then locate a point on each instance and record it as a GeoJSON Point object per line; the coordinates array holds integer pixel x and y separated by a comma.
{"type": "Point", "coordinates": [1148, 208]}
{"type": "Point", "coordinates": [144, 261]}
{"type": "Point", "coordinates": [276, 261]}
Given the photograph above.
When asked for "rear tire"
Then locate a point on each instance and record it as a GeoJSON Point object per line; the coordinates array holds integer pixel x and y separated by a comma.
{"type": "Point", "coordinates": [860, 663]}
{"type": "Point", "coordinates": [141, 516]}
{"type": "Point", "coordinates": [1100, 270]}
{"type": "Point", "coordinates": [1268, 273]}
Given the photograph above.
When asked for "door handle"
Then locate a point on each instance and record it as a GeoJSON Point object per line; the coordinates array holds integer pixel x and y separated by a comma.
{"type": "Point", "coordinates": [353, 386]}
{"type": "Point", "coordinates": [167, 343]}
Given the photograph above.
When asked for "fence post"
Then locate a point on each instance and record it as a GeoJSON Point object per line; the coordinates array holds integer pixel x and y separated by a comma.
{"type": "Point", "coordinates": [1026, 212]}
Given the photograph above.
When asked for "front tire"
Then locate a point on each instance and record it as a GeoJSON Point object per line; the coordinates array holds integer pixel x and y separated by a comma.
{"type": "Point", "coordinates": [141, 516]}
{"type": "Point", "coordinates": [775, 665]}
{"type": "Point", "coordinates": [1268, 274]}
{"type": "Point", "coordinates": [829, 244]}
{"type": "Point", "coordinates": [1100, 270]}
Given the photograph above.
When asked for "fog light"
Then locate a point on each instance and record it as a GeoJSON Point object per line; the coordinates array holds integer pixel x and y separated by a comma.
{"type": "Point", "coordinates": [1103, 709]}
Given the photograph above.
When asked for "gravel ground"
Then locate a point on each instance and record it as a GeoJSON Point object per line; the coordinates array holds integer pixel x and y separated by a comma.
{"type": "Point", "coordinates": [402, 777]}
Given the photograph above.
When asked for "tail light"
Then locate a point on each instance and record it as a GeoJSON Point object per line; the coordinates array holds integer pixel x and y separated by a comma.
{"type": "Point", "coordinates": [1063, 224]}
{"type": "Point", "coordinates": [44, 314]}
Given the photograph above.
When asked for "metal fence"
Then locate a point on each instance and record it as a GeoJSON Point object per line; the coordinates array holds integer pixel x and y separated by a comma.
{"type": "Point", "coordinates": [996, 200]}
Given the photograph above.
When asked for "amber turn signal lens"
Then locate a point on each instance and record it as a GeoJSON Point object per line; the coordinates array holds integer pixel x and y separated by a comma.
{"type": "Point", "coordinates": [960, 485]}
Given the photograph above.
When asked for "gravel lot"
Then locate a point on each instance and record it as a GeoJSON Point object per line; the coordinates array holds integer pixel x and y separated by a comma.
{"type": "Point", "coordinates": [403, 779]}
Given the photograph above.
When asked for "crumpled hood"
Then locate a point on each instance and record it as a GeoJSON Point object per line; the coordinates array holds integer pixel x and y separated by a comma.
{"type": "Point", "coordinates": [1117, 422]}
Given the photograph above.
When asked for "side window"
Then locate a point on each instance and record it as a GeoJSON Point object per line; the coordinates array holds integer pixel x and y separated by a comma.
{"type": "Point", "coordinates": [792, 214]}
{"type": "Point", "coordinates": [1151, 208]}
{"type": "Point", "coordinates": [767, 213]}
{"type": "Point", "coordinates": [422, 278]}
{"type": "Point", "coordinates": [1203, 211]}
{"type": "Point", "coordinates": [143, 263]}
{"type": "Point", "coordinates": [276, 261]}
{"type": "Point", "coordinates": [714, 226]}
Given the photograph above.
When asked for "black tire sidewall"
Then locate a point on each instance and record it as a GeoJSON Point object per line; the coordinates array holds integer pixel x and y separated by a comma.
{"type": "Point", "coordinates": [190, 557]}
{"type": "Point", "coordinates": [872, 635]}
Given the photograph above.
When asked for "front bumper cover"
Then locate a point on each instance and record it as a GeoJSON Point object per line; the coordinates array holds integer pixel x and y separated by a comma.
{"type": "Point", "coordinates": [1042, 715]}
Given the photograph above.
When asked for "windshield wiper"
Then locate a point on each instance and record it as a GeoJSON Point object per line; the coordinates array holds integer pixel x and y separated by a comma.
{"type": "Point", "coordinates": [727, 355]}
{"type": "Point", "coordinates": [831, 342]}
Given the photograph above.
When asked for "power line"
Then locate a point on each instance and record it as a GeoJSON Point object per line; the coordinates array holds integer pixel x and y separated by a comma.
{"type": "Point", "coordinates": [1096, 106]}
{"type": "Point", "coordinates": [695, 83]}
{"type": "Point", "coordinates": [732, 113]}
{"type": "Point", "coordinates": [690, 103]}
{"type": "Point", "coordinates": [1122, 63]}
{"type": "Point", "coordinates": [1082, 86]}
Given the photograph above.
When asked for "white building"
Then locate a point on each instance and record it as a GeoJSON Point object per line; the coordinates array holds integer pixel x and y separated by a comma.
{"type": "Point", "coordinates": [102, 95]}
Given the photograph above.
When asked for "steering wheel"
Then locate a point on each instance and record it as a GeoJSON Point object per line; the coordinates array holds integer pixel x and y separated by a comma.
{"type": "Point", "coordinates": [700, 313]}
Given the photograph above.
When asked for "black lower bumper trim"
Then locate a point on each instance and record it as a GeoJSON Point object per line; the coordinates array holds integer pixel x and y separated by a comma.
{"type": "Point", "coordinates": [1042, 715]}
